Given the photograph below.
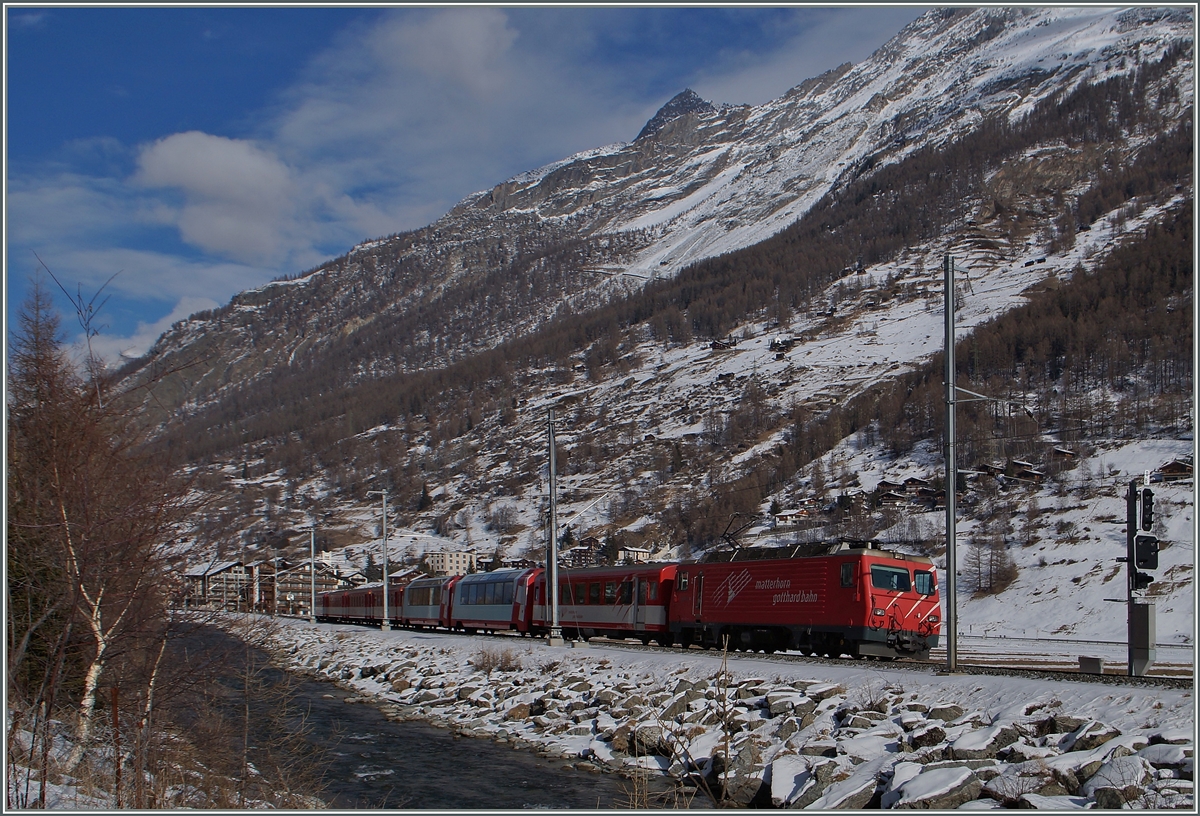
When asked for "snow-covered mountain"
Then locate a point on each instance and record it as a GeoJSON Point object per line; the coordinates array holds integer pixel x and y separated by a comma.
{"type": "Point", "coordinates": [659, 423]}
{"type": "Point", "coordinates": [697, 182]}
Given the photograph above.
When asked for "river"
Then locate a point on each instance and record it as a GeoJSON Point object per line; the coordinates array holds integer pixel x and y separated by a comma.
{"type": "Point", "coordinates": [370, 761]}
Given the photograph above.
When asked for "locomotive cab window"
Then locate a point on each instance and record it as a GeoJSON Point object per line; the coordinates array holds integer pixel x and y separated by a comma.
{"type": "Point", "coordinates": [923, 582]}
{"type": "Point", "coordinates": [894, 578]}
{"type": "Point", "coordinates": [847, 574]}
{"type": "Point", "coordinates": [682, 581]}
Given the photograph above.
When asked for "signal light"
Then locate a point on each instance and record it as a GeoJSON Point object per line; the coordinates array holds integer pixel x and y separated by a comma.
{"type": "Point", "coordinates": [1147, 508]}
{"type": "Point", "coordinates": [1141, 580]}
{"type": "Point", "coordinates": [1145, 551]}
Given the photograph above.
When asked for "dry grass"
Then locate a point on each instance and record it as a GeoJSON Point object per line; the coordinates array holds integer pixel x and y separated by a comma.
{"type": "Point", "coordinates": [492, 658]}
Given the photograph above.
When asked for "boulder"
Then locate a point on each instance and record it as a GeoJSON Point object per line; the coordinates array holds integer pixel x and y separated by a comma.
{"type": "Point", "coordinates": [1091, 734]}
{"type": "Point", "coordinates": [1022, 751]}
{"type": "Point", "coordinates": [790, 703]}
{"type": "Point", "coordinates": [939, 789]}
{"type": "Point", "coordinates": [1016, 780]}
{"type": "Point", "coordinates": [945, 713]}
{"type": "Point", "coordinates": [852, 793]}
{"type": "Point", "coordinates": [983, 743]}
{"type": "Point", "coordinates": [678, 705]}
{"type": "Point", "coordinates": [1171, 737]}
{"type": "Point", "coordinates": [930, 734]}
{"type": "Point", "coordinates": [1036, 801]}
{"type": "Point", "coordinates": [787, 727]}
{"type": "Point", "coordinates": [1166, 755]}
{"type": "Point", "coordinates": [521, 711]}
{"type": "Point", "coordinates": [819, 747]}
{"type": "Point", "coordinates": [1122, 778]}
{"type": "Point", "coordinates": [823, 691]}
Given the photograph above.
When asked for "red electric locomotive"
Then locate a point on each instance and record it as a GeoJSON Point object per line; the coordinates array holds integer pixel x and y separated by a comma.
{"type": "Point", "coordinates": [628, 601]}
{"type": "Point", "coordinates": [858, 601]}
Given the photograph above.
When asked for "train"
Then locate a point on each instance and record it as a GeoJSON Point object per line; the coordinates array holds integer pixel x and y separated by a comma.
{"type": "Point", "coordinates": [856, 600]}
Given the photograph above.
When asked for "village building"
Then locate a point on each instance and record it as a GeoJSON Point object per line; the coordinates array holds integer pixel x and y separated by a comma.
{"type": "Point", "coordinates": [450, 563]}
{"type": "Point", "coordinates": [633, 555]}
{"type": "Point", "coordinates": [1176, 469]}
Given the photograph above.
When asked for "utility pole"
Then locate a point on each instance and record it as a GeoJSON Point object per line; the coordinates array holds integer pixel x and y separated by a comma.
{"type": "Point", "coordinates": [386, 624]}
{"type": "Point", "coordinates": [1141, 552]}
{"type": "Point", "coordinates": [555, 638]}
{"type": "Point", "coordinates": [312, 572]}
{"type": "Point", "coordinates": [951, 627]}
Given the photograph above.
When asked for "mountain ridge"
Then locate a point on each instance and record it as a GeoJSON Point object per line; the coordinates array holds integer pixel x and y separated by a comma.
{"type": "Point", "coordinates": [704, 184]}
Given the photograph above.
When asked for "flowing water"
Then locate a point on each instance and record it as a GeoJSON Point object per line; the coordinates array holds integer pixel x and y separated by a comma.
{"type": "Point", "coordinates": [369, 761]}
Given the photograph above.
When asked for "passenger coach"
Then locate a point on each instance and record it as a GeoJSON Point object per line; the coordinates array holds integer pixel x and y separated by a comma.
{"type": "Point", "coordinates": [620, 602]}
{"type": "Point", "coordinates": [491, 601]}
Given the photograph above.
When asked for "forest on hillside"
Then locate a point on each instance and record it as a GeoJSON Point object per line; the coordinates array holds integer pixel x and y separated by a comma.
{"type": "Point", "coordinates": [307, 411]}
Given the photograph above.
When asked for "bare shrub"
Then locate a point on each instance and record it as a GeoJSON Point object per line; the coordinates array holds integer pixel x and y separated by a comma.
{"type": "Point", "coordinates": [491, 658]}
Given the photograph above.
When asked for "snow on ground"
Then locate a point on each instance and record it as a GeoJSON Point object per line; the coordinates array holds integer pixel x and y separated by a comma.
{"type": "Point", "coordinates": [800, 735]}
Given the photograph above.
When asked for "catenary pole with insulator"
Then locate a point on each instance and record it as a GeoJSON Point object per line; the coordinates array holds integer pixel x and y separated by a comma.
{"type": "Point", "coordinates": [951, 626]}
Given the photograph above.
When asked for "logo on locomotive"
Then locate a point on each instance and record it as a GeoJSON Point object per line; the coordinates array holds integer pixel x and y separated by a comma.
{"type": "Point", "coordinates": [734, 584]}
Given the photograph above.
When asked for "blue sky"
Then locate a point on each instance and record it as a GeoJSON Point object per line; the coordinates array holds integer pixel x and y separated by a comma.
{"type": "Point", "coordinates": [198, 152]}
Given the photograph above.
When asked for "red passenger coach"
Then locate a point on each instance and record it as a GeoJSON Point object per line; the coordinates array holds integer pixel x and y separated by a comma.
{"type": "Point", "coordinates": [857, 601]}
{"type": "Point", "coordinates": [363, 604]}
{"type": "Point", "coordinates": [629, 601]}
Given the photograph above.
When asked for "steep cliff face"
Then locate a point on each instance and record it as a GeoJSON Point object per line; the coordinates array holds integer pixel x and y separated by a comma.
{"type": "Point", "coordinates": [698, 181]}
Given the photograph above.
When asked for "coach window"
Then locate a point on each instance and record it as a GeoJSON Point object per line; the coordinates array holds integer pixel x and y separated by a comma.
{"type": "Point", "coordinates": [643, 591]}
{"type": "Point", "coordinates": [594, 592]}
{"type": "Point", "coordinates": [610, 592]}
{"type": "Point", "coordinates": [847, 574]}
{"type": "Point", "coordinates": [893, 578]}
{"type": "Point", "coordinates": [626, 593]}
{"type": "Point", "coordinates": [507, 597]}
{"type": "Point", "coordinates": [923, 582]}
{"type": "Point", "coordinates": [580, 594]}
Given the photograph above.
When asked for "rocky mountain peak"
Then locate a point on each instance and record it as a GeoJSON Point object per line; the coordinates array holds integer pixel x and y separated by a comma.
{"type": "Point", "coordinates": [683, 103]}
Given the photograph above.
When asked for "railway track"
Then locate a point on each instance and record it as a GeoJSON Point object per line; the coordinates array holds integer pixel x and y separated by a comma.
{"type": "Point", "coordinates": [1034, 666]}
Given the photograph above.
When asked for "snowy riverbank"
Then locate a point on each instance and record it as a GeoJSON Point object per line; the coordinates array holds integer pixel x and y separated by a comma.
{"type": "Point", "coordinates": [799, 735]}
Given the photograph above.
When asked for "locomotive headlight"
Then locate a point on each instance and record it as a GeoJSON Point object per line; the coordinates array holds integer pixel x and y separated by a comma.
{"type": "Point", "coordinates": [933, 619]}
{"type": "Point", "coordinates": [877, 613]}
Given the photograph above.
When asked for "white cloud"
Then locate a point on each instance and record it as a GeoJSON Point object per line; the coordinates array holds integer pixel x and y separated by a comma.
{"type": "Point", "coordinates": [239, 198]}
{"type": "Point", "coordinates": [403, 114]}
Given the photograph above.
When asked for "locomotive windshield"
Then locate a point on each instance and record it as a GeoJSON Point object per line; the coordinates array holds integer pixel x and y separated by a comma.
{"type": "Point", "coordinates": [923, 582]}
{"type": "Point", "coordinates": [893, 578]}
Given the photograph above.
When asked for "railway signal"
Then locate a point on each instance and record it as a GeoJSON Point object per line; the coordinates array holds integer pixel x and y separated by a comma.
{"type": "Point", "coordinates": [1145, 551]}
{"type": "Point", "coordinates": [1141, 553]}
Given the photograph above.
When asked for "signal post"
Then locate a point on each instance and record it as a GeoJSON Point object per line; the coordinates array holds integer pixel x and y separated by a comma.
{"type": "Point", "coordinates": [1141, 553]}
